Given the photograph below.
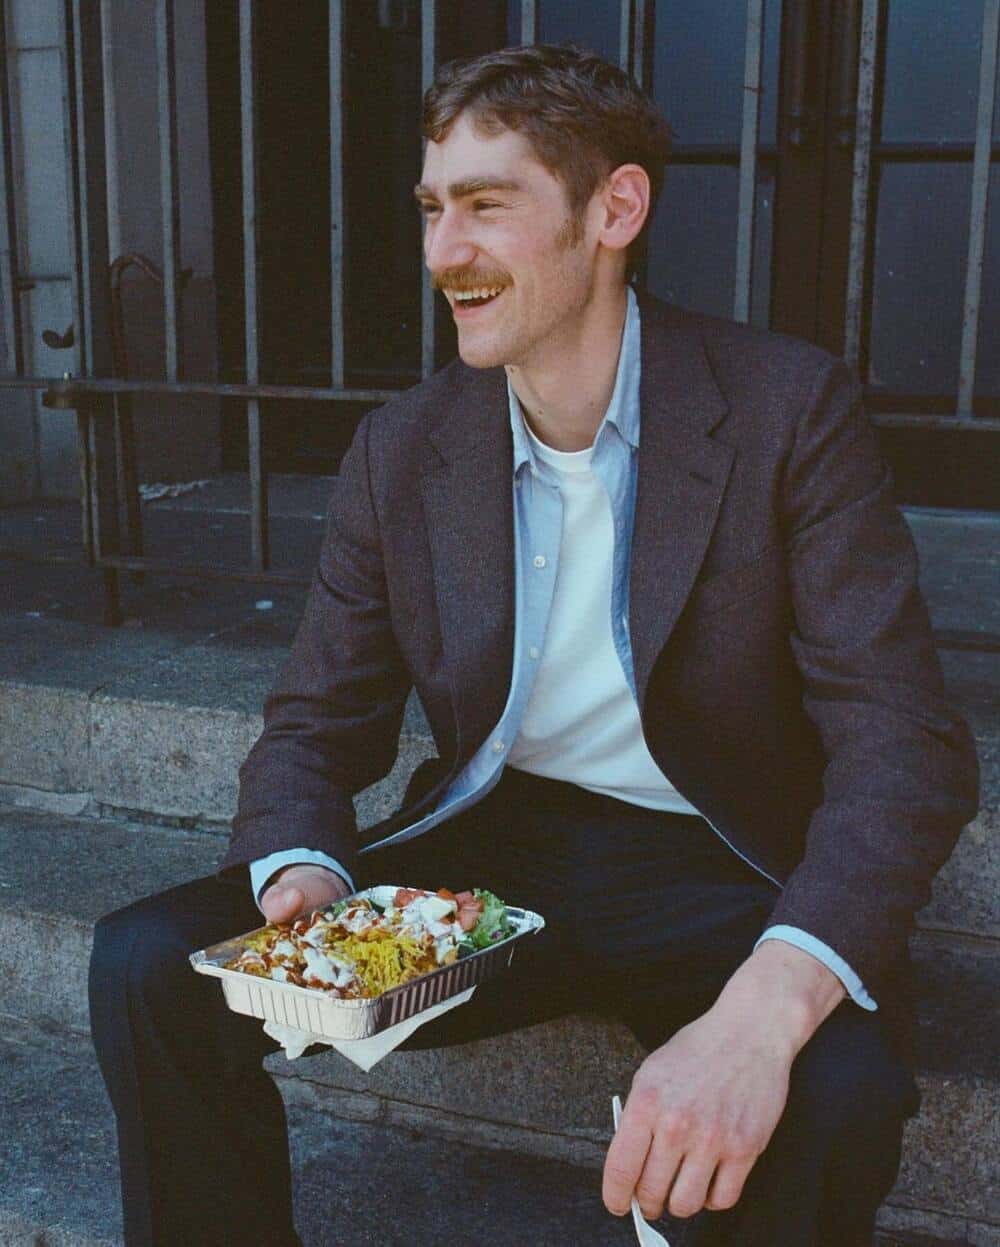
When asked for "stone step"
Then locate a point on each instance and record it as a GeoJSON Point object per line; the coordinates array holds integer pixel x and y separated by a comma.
{"type": "Point", "coordinates": [153, 721]}
{"type": "Point", "coordinates": [57, 1154]}
{"type": "Point", "coordinates": [355, 1182]}
{"type": "Point", "coordinates": [149, 723]}
{"type": "Point", "coordinates": [519, 1094]}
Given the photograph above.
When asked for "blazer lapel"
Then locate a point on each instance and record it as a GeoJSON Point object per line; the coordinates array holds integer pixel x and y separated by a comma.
{"type": "Point", "coordinates": [682, 477]}
{"type": "Point", "coordinates": [468, 505]}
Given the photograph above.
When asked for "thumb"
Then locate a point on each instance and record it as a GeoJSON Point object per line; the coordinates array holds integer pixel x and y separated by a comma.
{"type": "Point", "coordinates": [282, 902]}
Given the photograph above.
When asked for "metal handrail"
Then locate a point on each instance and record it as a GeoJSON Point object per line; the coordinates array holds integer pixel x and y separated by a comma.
{"type": "Point", "coordinates": [71, 393]}
{"type": "Point", "coordinates": [68, 387]}
{"type": "Point", "coordinates": [97, 398]}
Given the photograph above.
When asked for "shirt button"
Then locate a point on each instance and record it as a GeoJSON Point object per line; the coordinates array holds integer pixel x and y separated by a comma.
{"type": "Point", "coordinates": [534, 652]}
{"type": "Point", "coordinates": [539, 560]}
{"type": "Point", "coordinates": [498, 746]}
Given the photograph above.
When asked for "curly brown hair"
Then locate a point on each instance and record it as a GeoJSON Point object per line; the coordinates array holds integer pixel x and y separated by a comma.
{"type": "Point", "coordinates": [583, 116]}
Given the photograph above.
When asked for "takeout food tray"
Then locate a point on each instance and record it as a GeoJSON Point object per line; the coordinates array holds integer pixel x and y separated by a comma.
{"type": "Point", "coordinates": [309, 1009]}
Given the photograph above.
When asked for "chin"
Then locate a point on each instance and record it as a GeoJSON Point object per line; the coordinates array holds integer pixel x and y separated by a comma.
{"type": "Point", "coordinates": [481, 354]}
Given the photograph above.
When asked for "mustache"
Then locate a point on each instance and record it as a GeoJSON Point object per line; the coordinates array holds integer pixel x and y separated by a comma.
{"type": "Point", "coordinates": [463, 279]}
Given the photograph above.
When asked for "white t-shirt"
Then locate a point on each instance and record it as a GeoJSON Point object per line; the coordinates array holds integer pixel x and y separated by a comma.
{"type": "Point", "coordinates": [582, 724]}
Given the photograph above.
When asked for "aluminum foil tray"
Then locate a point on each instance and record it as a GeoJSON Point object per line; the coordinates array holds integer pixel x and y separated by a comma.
{"type": "Point", "coordinates": [310, 1009]}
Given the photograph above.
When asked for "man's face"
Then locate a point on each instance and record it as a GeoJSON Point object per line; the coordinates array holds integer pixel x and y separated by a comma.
{"type": "Point", "coordinates": [498, 222]}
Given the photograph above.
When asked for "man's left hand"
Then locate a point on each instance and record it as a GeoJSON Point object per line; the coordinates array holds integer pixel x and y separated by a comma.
{"type": "Point", "coordinates": [704, 1106]}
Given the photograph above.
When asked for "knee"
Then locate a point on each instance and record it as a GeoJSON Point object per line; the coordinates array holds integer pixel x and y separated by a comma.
{"type": "Point", "coordinates": [113, 937]}
{"type": "Point", "coordinates": [850, 1084]}
{"type": "Point", "coordinates": [134, 948]}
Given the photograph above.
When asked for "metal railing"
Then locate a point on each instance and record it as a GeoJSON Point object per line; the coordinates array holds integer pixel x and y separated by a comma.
{"type": "Point", "coordinates": [859, 262]}
{"type": "Point", "coordinates": [980, 200]}
{"type": "Point", "coordinates": [104, 424]}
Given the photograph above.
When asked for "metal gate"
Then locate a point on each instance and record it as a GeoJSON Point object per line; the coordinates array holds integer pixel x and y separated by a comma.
{"type": "Point", "coordinates": [101, 395]}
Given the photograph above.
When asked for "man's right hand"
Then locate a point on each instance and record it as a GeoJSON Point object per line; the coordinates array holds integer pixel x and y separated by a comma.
{"type": "Point", "coordinates": [298, 890]}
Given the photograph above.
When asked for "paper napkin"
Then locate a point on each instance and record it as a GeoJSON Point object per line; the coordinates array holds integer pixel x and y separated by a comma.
{"type": "Point", "coordinates": [365, 1053]}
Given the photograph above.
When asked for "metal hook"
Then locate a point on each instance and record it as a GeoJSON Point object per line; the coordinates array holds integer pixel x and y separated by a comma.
{"type": "Point", "coordinates": [59, 342]}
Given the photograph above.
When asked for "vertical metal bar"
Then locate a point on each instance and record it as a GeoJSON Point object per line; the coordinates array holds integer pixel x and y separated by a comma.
{"type": "Point", "coordinates": [110, 131]}
{"type": "Point", "coordinates": [69, 27]}
{"type": "Point", "coordinates": [336, 24]}
{"type": "Point", "coordinates": [846, 27]}
{"type": "Point", "coordinates": [82, 292]}
{"type": "Point", "coordinates": [130, 539]}
{"type": "Point", "coordinates": [861, 181]}
{"type": "Point", "coordinates": [980, 200]}
{"type": "Point", "coordinates": [99, 457]}
{"type": "Point", "coordinates": [8, 296]}
{"type": "Point", "coordinates": [169, 196]}
{"type": "Point", "coordinates": [428, 66]}
{"type": "Point", "coordinates": [260, 553]}
{"type": "Point", "coordinates": [86, 511]}
{"type": "Point", "coordinates": [99, 477]}
{"type": "Point", "coordinates": [640, 32]}
{"type": "Point", "coordinates": [625, 35]}
{"type": "Point", "coordinates": [529, 21]}
{"type": "Point", "coordinates": [748, 159]}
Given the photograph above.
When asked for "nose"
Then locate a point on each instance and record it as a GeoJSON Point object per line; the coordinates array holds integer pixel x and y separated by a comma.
{"type": "Point", "coordinates": [446, 244]}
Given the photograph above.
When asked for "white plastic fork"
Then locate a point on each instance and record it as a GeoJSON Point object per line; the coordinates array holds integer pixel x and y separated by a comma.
{"type": "Point", "coordinates": [648, 1237]}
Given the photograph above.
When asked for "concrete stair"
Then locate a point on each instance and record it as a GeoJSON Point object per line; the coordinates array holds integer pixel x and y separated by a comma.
{"type": "Point", "coordinates": [383, 1181]}
{"type": "Point", "coordinates": [541, 1093]}
{"type": "Point", "coordinates": [118, 759]}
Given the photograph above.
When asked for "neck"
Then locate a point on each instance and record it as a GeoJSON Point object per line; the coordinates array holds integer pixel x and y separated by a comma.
{"type": "Point", "coordinates": [564, 400]}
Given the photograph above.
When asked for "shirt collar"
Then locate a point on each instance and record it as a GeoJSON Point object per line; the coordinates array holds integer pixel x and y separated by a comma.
{"type": "Point", "coordinates": [623, 410]}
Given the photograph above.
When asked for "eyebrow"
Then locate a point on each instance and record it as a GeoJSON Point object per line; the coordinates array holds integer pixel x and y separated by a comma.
{"type": "Point", "coordinates": [470, 186]}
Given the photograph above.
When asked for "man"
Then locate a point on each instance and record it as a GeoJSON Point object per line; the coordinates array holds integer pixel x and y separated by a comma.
{"type": "Point", "coordinates": [644, 571]}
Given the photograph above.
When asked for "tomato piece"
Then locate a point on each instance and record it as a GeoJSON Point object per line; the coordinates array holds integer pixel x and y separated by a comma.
{"type": "Point", "coordinates": [470, 913]}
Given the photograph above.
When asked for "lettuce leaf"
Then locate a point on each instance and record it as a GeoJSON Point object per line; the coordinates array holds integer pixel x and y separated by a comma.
{"type": "Point", "coordinates": [493, 924]}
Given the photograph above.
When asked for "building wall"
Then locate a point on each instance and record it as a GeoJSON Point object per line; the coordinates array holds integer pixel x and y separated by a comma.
{"type": "Point", "coordinates": [39, 446]}
{"type": "Point", "coordinates": [176, 439]}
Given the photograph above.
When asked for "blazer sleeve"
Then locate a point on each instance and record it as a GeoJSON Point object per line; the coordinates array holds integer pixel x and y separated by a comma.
{"type": "Point", "coordinates": [901, 777]}
{"type": "Point", "coordinates": [332, 722]}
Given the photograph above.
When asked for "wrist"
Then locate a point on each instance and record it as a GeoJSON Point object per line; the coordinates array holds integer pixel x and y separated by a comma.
{"type": "Point", "coordinates": [784, 991]}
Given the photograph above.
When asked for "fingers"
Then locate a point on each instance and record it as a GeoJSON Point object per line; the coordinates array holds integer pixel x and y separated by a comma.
{"type": "Point", "coordinates": [684, 1185]}
{"type": "Point", "coordinates": [624, 1164]}
{"type": "Point", "coordinates": [662, 1162]}
{"type": "Point", "coordinates": [282, 903]}
{"type": "Point", "coordinates": [299, 890]}
{"type": "Point", "coordinates": [665, 1168]}
{"type": "Point", "coordinates": [727, 1186]}
{"type": "Point", "coordinates": [690, 1187]}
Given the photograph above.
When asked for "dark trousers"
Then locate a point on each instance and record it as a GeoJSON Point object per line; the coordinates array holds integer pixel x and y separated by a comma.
{"type": "Point", "coordinates": [647, 916]}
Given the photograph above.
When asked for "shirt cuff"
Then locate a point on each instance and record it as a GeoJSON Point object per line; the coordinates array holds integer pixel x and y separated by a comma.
{"type": "Point", "coordinates": [264, 867]}
{"type": "Point", "coordinates": [822, 952]}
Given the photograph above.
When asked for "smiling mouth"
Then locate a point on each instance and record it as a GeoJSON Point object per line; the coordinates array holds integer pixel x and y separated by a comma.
{"type": "Point", "coordinates": [478, 297]}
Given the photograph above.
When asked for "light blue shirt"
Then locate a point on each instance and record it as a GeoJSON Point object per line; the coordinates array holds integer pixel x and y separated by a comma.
{"type": "Point", "coordinates": [537, 534]}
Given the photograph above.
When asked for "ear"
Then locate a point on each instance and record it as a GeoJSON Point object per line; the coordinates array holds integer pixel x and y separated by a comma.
{"type": "Point", "coordinates": [624, 199]}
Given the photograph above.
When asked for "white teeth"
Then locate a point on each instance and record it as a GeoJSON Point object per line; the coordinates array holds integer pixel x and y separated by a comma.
{"type": "Point", "coordinates": [484, 292]}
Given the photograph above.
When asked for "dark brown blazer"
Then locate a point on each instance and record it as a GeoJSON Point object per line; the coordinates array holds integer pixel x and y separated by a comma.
{"type": "Point", "coordinates": [786, 675]}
